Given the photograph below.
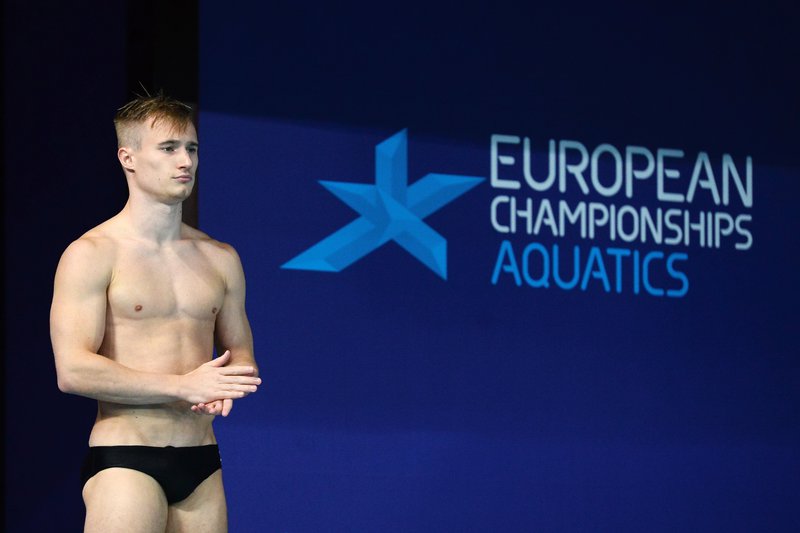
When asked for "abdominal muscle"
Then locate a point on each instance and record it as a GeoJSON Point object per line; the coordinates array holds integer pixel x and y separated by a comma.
{"type": "Point", "coordinates": [175, 346]}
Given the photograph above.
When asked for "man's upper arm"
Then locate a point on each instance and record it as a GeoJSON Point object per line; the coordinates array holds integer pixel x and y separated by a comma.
{"type": "Point", "coordinates": [78, 311]}
{"type": "Point", "coordinates": [232, 330]}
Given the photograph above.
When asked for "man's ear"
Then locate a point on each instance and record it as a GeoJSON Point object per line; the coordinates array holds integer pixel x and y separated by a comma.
{"type": "Point", "coordinates": [125, 156]}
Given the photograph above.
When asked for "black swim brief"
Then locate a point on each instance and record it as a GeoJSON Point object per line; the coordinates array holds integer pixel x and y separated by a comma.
{"type": "Point", "coordinates": [178, 470]}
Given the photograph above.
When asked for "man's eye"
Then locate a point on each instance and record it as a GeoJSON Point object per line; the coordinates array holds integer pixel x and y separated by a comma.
{"type": "Point", "coordinates": [192, 149]}
{"type": "Point", "coordinates": [168, 148]}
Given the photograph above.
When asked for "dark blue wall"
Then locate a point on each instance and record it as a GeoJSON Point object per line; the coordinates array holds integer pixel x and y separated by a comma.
{"type": "Point", "coordinates": [396, 401]}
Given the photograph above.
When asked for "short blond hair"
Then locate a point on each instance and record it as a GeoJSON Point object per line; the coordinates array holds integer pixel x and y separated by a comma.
{"type": "Point", "coordinates": [153, 109]}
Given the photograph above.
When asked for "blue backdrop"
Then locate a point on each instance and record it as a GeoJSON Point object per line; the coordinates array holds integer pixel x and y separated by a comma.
{"type": "Point", "coordinates": [502, 398]}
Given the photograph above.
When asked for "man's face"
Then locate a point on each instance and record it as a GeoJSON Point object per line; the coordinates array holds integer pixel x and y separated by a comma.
{"type": "Point", "coordinates": [165, 163]}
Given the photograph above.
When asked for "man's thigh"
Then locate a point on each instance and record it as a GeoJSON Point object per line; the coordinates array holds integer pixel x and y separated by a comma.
{"type": "Point", "coordinates": [204, 511]}
{"type": "Point", "coordinates": [124, 500]}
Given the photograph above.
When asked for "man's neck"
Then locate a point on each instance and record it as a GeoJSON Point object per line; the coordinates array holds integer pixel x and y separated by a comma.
{"type": "Point", "coordinates": [153, 221]}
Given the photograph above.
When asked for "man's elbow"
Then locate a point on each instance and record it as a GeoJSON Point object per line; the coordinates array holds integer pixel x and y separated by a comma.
{"type": "Point", "coordinates": [66, 382]}
{"type": "Point", "coordinates": [252, 362]}
{"type": "Point", "coordinates": [67, 377]}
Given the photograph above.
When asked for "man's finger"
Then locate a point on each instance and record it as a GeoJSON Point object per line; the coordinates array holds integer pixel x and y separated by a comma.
{"type": "Point", "coordinates": [249, 381]}
{"type": "Point", "coordinates": [222, 360]}
{"type": "Point", "coordinates": [238, 370]}
{"type": "Point", "coordinates": [227, 405]}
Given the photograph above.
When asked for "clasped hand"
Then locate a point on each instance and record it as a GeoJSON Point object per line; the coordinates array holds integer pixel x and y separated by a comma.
{"type": "Point", "coordinates": [212, 387]}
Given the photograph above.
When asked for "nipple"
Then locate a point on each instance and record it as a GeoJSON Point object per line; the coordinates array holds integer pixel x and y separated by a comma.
{"type": "Point", "coordinates": [137, 308]}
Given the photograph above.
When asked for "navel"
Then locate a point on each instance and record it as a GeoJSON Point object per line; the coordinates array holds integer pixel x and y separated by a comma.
{"type": "Point", "coordinates": [214, 310]}
{"type": "Point", "coordinates": [137, 308]}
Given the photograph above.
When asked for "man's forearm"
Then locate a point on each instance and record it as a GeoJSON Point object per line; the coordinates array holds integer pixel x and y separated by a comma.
{"type": "Point", "coordinates": [94, 376]}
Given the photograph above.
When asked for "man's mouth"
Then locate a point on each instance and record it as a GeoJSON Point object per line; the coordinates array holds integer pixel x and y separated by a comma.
{"type": "Point", "coordinates": [184, 178]}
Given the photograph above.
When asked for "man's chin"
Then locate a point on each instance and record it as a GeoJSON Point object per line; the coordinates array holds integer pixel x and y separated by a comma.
{"type": "Point", "coordinates": [181, 196]}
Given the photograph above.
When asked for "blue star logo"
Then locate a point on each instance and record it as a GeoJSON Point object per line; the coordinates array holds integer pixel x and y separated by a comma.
{"type": "Point", "coordinates": [390, 210]}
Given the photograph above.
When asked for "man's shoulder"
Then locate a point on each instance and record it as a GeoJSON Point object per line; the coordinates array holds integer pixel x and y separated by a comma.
{"type": "Point", "coordinates": [104, 234]}
{"type": "Point", "coordinates": [98, 241]}
{"type": "Point", "coordinates": [86, 256]}
{"type": "Point", "coordinates": [220, 254]}
{"type": "Point", "coordinates": [207, 244]}
{"type": "Point", "coordinates": [90, 256]}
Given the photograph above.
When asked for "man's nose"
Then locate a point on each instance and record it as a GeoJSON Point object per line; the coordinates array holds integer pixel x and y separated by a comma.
{"type": "Point", "coordinates": [186, 159]}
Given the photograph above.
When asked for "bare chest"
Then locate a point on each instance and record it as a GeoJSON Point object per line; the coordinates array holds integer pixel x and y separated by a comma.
{"type": "Point", "coordinates": [165, 284]}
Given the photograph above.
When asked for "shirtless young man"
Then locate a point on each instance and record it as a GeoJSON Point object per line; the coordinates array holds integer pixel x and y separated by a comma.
{"type": "Point", "coordinates": [138, 305]}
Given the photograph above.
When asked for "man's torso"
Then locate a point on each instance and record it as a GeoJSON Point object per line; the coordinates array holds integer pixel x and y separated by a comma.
{"type": "Point", "coordinates": [162, 303]}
